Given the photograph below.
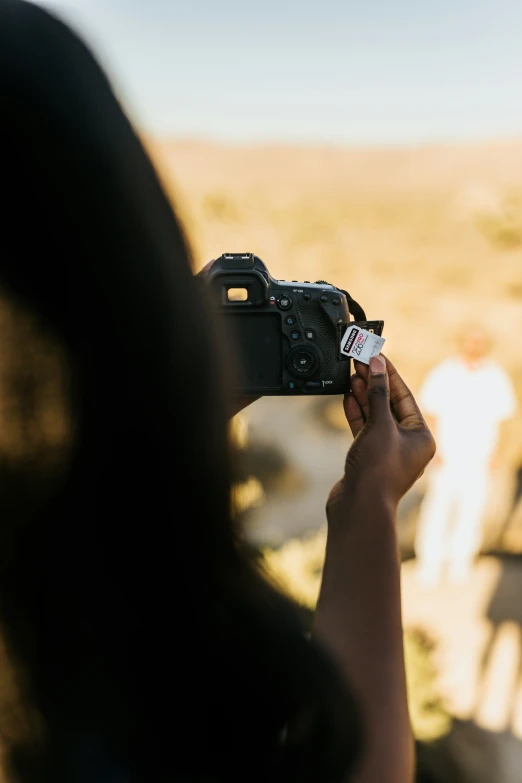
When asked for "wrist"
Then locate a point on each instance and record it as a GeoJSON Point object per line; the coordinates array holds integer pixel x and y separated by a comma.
{"type": "Point", "coordinates": [361, 499]}
{"type": "Point", "coordinates": [370, 487]}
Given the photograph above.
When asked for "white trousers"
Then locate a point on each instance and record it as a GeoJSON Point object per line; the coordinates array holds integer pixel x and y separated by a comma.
{"type": "Point", "coordinates": [449, 529]}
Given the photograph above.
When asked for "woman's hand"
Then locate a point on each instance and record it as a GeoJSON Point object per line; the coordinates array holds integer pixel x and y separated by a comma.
{"type": "Point", "coordinates": [358, 617]}
{"type": "Point", "coordinates": [393, 443]}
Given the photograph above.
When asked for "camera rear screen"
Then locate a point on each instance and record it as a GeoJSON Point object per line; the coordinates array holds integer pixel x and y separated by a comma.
{"type": "Point", "coordinates": [258, 338]}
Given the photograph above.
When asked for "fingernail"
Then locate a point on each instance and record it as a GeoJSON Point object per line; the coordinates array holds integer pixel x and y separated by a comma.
{"type": "Point", "coordinates": [377, 365]}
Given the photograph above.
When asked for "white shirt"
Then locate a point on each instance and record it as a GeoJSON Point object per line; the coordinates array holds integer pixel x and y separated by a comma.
{"type": "Point", "coordinates": [469, 404]}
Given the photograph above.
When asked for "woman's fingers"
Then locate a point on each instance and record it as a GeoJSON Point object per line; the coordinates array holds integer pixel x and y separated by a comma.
{"type": "Point", "coordinates": [360, 392]}
{"type": "Point", "coordinates": [378, 391]}
{"type": "Point", "coordinates": [361, 369]}
{"type": "Point", "coordinates": [402, 400]}
{"type": "Point", "coordinates": [354, 414]}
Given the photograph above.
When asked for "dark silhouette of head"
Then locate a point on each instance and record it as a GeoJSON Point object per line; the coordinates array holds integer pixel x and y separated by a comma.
{"type": "Point", "coordinates": [144, 643]}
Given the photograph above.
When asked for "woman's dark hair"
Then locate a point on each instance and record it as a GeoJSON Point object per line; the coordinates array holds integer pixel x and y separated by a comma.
{"type": "Point", "coordinates": [144, 643]}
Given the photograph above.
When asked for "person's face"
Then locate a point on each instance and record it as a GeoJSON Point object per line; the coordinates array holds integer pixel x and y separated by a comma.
{"type": "Point", "coordinates": [475, 346]}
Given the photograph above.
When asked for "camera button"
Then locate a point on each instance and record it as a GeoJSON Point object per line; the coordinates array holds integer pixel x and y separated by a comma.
{"type": "Point", "coordinates": [309, 334]}
{"type": "Point", "coordinates": [295, 335]}
{"type": "Point", "coordinates": [290, 320]}
{"type": "Point", "coordinates": [307, 297]}
{"type": "Point", "coordinates": [314, 385]}
{"type": "Point", "coordinates": [336, 300]}
{"type": "Point", "coordinates": [303, 362]}
{"type": "Point", "coordinates": [292, 385]}
{"type": "Point", "coordinates": [284, 303]}
{"type": "Point", "coordinates": [323, 298]}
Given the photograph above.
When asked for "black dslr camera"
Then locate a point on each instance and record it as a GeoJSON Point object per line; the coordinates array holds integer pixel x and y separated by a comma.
{"type": "Point", "coordinates": [288, 334]}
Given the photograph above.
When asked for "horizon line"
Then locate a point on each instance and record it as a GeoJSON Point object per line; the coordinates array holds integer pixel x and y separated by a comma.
{"type": "Point", "coordinates": [209, 141]}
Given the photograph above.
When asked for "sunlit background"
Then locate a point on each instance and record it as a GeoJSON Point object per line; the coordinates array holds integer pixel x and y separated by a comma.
{"type": "Point", "coordinates": [377, 146]}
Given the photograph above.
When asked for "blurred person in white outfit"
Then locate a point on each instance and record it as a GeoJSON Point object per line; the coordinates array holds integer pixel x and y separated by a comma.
{"type": "Point", "coordinates": [449, 530]}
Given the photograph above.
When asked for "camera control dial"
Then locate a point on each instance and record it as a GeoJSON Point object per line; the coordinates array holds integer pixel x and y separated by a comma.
{"type": "Point", "coordinates": [303, 361]}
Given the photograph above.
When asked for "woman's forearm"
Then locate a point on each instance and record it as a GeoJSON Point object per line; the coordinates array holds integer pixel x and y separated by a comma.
{"type": "Point", "coordinates": [358, 620]}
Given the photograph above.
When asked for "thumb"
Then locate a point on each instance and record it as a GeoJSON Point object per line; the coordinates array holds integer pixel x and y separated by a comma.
{"type": "Point", "coordinates": [378, 390]}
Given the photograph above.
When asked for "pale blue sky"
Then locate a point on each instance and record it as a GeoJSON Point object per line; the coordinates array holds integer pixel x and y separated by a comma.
{"type": "Point", "coordinates": [335, 71]}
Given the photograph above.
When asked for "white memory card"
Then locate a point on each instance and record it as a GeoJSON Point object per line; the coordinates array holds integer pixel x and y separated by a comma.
{"type": "Point", "coordinates": [360, 344]}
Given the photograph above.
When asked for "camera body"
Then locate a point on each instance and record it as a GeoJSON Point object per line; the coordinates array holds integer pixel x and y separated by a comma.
{"type": "Point", "coordinates": [287, 334]}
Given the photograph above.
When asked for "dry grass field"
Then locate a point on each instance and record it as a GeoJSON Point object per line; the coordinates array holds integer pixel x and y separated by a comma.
{"type": "Point", "coordinates": [427, 238]}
